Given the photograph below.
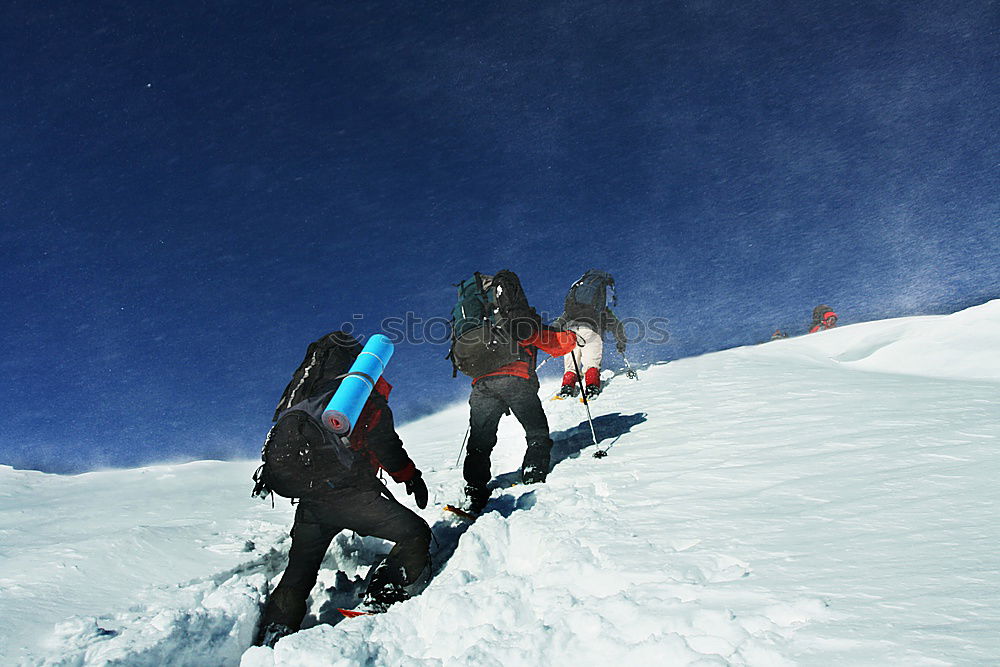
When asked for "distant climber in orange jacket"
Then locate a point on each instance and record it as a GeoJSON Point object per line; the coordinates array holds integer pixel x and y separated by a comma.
{"type": "Point", "coordinates": [823, 318]}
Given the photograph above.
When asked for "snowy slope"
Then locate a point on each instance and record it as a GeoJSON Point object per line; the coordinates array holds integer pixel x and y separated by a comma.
{"type": "Point", "coordinates": [821, 500]}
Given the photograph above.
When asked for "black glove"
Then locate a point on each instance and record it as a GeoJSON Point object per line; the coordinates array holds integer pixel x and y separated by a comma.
{"type": "Point", "coordinates": [621, 348]}
{"type": "Point", "coordinates": [416, 487]}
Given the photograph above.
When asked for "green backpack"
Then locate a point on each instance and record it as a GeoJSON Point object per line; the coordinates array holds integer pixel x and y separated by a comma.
{"type": "Point", "coordinates": [489, 317]}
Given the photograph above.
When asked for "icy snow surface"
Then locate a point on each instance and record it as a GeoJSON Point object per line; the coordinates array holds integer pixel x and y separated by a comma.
{"type": "Point", "coordinates": [822, 500]}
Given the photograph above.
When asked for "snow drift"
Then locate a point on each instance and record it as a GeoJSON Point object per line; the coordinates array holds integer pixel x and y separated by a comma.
{"type": "Point", "coordinates": [828, 499]}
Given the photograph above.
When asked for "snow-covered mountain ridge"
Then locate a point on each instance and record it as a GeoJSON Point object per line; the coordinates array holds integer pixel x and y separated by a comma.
{"type": "Point", "coordinates": [828, 499]}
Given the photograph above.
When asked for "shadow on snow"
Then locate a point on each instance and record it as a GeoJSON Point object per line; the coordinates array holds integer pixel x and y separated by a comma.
{"type": "Point", "coordinates": [566, 444]}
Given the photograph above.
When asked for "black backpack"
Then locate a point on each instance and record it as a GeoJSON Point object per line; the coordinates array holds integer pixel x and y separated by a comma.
{"type": "Point", "coordinates": [492, 313]}
{"type": "Point", "coordinates": [299, 453]}
{"type": "Point", "coordinates": [591, 291]}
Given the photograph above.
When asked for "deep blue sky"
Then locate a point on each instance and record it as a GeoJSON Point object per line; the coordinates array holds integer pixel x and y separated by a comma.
{"type": "Point", "coordinates": [193, 191]}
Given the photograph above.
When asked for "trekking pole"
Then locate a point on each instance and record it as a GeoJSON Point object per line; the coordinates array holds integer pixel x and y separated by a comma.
{"type": "Point", "coordinates": [601, 453]}
{"type": "Point", "coordinates": [629, 371]}
{"type": "Point", "coordinates": [586, 404]}
{"type": "Point", "coordinates": [464, 440]}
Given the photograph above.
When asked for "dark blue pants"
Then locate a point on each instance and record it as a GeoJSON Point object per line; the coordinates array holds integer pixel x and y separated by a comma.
{"type": "Point", "coordinates": [317, 522]}
{"type": "Point", "coordinates": [491, 398]}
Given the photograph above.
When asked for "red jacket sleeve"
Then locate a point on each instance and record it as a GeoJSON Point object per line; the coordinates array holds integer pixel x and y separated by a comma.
{"type": "Point", "coordinates": [555, 343]}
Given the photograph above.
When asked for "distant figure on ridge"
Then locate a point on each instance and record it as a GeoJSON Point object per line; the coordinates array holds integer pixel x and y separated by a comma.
{"type": "Point", "coordinates": [586, 313]}
{"type": "Point", "coordinates": [338, 489]}
{"type": "Point", "coordinates": [496, 336]}
{"type": "Point", "coordinates": [823, 318]}
{"type": "Point", "coordinates": [778, 335]}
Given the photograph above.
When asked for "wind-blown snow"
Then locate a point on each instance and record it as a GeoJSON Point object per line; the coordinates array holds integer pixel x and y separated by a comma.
{"type": "Point", "coordinates": [821, 500]}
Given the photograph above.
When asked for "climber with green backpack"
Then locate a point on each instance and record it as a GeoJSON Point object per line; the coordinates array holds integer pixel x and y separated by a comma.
{"type": "Point", "coordinates": [496, 336]}
{"type": "Point", "coordinates": [587, 314]}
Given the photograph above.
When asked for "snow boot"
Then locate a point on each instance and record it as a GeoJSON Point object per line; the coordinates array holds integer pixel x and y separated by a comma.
{"type": "Point", "coordinates": [476, 498]}
{"type": "Point", "coordinates": [270, 634]}
{"type": "Point", "coordinates": [386, 587]}
{"type": "Point", "coordinates": [592, 378]}
{"type": "Point", "coordinates": [569, 385]}
{"type": "Point", "coordinates": [286, 607]}
{"type": "Point", "coordinates": [379, 600]}
{"type": "Point", "coordinates": [531, 474]}
{"type": "Point", "coordinates": [537, 459]}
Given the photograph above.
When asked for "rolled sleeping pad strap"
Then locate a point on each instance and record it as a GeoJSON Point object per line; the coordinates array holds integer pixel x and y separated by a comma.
{"type": "Point", "coordinates": [341, 413]}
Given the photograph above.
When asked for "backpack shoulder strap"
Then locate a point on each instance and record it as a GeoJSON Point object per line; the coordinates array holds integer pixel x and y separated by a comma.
{"type": "Point", "coordinates": [301, 382]}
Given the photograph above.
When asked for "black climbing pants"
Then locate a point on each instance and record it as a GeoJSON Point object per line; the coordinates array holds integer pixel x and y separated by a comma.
{"type": "Point", "coordinates": [317, 522]}
{"type": "Point", "coordinates": [491, 398]}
